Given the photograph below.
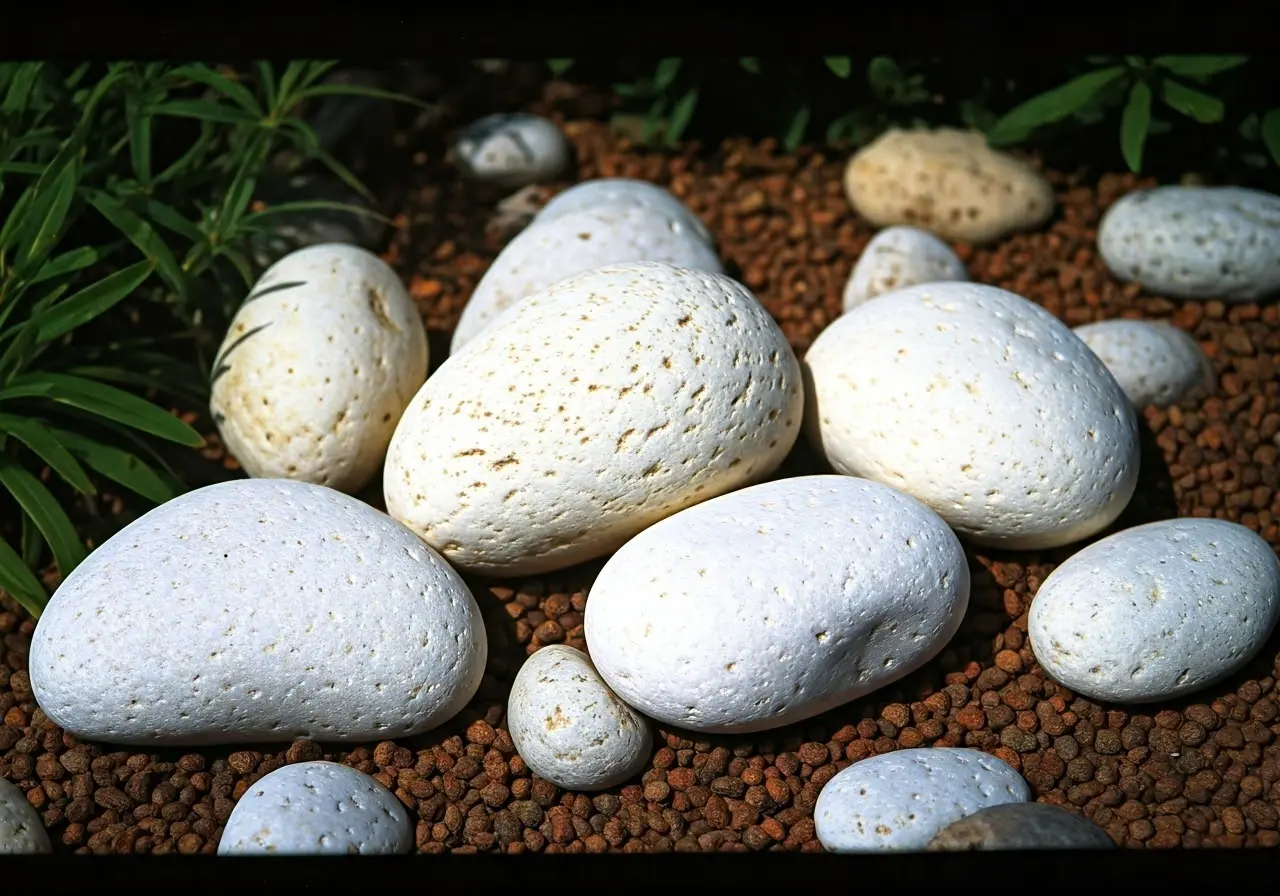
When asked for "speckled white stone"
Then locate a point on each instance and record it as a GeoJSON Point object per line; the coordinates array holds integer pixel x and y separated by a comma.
{"type": "Point", "coordinates": [1154, 362]}
{"type": "Point", "coordinates": [512, 150]}
{"type": "Point", "coordinates": [21, 830]}
{"type": "Point", "coordinates": [589, 412]}
{"type": "Point", "coordinates": [606, 191]}
{"type": "Point", "coordinates": [317, 367]}
{"type": "Point", "coordinates": [317, 808]}
{"type": "Point", "coordinates": [570, 728]}
{"type": "Point", "coordinates": [898, 257]}
{"type": "Point", "coordinates": [902, 800]}
{"type": "Point", "coordinates": [981, 404]}
{"type": "Point", "coordinates": [1156, 611]}
{"type": "Point", "coordinates": [1195, 242]}
{"type": "Point", "coordinates": [776, 603]}
{"type": "Point", "coordinates": [576, 242]}
{"type": "Point", "coordinates": [258, 610]}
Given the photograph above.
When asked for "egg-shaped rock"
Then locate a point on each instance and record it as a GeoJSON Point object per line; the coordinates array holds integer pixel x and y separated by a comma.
{"type": "Point", "coordinates": [898, 257]}
{"type": "Point", "coordinates": [315, 809]}
{"type": "Point", "coordinates": [606, 191]}
{"type": "Point", "coordinates": [1021, 826]}
{"type": "Point", "coordinates": [590, 411]}
{"type": "Point", "coordinates": [22, 832]}
{"type": "Point", "coordinates": [570, 728]}
{"type": "Point", "coordinates": [574, 243]}
{"type": "Point", "coordinates": [512, 150]}
{"type": "Point", "coordinates": [981, 404]}
{"type": "Point", "coordinates": [317, 367]}
{"type": "Point", "coordinates": [776, 603]}
{"type": "Point", "coordinates": [258, 610]}
{"type": "Point", "coordinates": [1154, 362]}
{"type": "Point", "coordinates": [1156, 611]}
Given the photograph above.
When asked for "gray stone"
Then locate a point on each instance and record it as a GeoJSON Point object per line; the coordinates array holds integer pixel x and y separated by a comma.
{"type": "Point", "coordinates": [1021, 826]}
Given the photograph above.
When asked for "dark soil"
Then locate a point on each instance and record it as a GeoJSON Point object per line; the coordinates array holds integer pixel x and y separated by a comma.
{"type": "Point", "coordinates": [1198, 772]}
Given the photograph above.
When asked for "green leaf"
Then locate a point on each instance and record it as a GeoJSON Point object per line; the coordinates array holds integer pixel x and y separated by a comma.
{"type": "Point", "coordinates": [666, 73]}
{"type": "Point", "coordinates": [189, 158]}
{"type": "Point", "coordinates": [209, 77]}
{"type": "Point", "coordinates": [17, 217]}
{"type": "Point", "coordinates": [750, 63]}
{"type": "Point", "coordinates": [1198, 66]}
{"type": "Point", "coordinates": [883, 75]}
{"type": "Point", "coordinates": [841, 66]}
{"type": "Point", "coordinates": [1270, 131]}
{"type": "Point", "coordinates": [1134, 125]}
{"type": "Point", "coordinates": [840, 127]}
{"type": "Point", "coordinates": [42, 507]}
{"type": "Point", "coordinates": [15, 357]}
{"type": "Point", "coordinates": [796, 129]}
{"type": "Point", "coordinates": [681, 115]}
{"type": "Point", "coordinates": [54, 193]}
{"type": "Point", "coordinates": [653, 119]}
{"type": "Point", "coordinates": [72, 261]}
{"type": "Point", "coordinates": [1052, 105]}
{"type": "Point", "coordinates": [267, 81]}
{"type": "Point", "coordinates": [204, 110]}
{"type": "Point", "coordinates": [341, 171]}
{"type": "Point", "coordinates": [559, 66]}
{"type": "Point", "coordinates": [140, 146]}
{"type": "Point", "coordinates": [20, 87]}
{"type": "Point", "coordinates": [106, 401]}
{"type": "Point", "coordinates": [19, 582]}
{"type": "Point", "coordinates": [141, 234]}
{"type": "Point", "coordinates": [92, 301]}
{"type": "Point", "coordinates": [171, 219]}
{"type": "Point", "coordinates": [32, 543]}
{"type": "Point", "coordinates": [293, 73]}
{"type": "Point", "coordinates": [35, 435]}
{"type": "Point", "coordinates": [1191, 103]}
{"type": "Point", "coordinates": [118, 465]}
{"type": "Point", "coordinates": [359, 90]}
{"type": "Point", "coordinates": [238, 260]}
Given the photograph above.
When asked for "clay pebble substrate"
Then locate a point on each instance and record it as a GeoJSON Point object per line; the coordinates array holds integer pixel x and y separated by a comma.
{"type": "Point", "coordinates": [1201, 771]}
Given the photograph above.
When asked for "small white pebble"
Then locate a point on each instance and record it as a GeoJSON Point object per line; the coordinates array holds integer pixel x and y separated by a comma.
{"type": "Point", "coordinates": [21, 830]}
{"type": "Point", "coordinates": [898, 257]}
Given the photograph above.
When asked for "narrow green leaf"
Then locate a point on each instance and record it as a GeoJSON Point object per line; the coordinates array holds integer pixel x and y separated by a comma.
{"type": "Point", "coordinates": [20, 87]}
{"type": "Point", "coordinates": [839, 128]}
{"type": "Point", "coordinates": [92, 301]}
{"type": "Point", "coordinates": [341, 171]}
{"type": "Point", "coordinates": [267, 82]}
{"type": "Point", "coordinates": [171, 219]}
{"type": "Point", "coordinates": [1134, 125]}
{"type": "Point", "coordinates": [1191, 103]}
{"type": "Point", "coordinates": [236, 201]}
{"type": "Point", "coordinates": [118, 465]}
{"type": "Point", "coordinates": [358, 90]}
{"type": "Point", "coordinates": [189, 158]}
{"type": "Point", "coordinates": [140, 146]}
{"type": "Point", "coordinates": [19, 582]}
{"type": "Point", "coordinates": [309, 205]}
{"type": "Point", "coordinates": [1052, 105]}
{"type": "Point", "coordinates": [17, 217]}
{"type": "Point", "coordinates": [795, 130]}
{"type": "Point", "coordinates": [204, 110]}
{"type": "Point", "coordinates": [238, 260]}
{"type": "Point", "coordinates": [72, 261]}
{"type": "Point", "coordinates": [25, 338]}
{"type": "Point", "coordinates": [141, 234]}
{"type": "Point", "coordinates": [666, 72]}
{"type": "Point", "coordinates": [209, 77]}
{"type": "Point", "coordinates": [293, 73]}
{"type": "Point", "coordinates": [53, 213]}
{"type": "Point", "coordinates": [1198, 66]}
{"type": "Point", "coordinates": [653, 119]}
{"type": "Point", "coordinates": [42, 507]}
{"type": "Point", "coordinates": [315, 70]}
{"type": "Point", "coordinates": [750, 63]}
{"type": "Point", "coordinates": [32, 543]}
{"type": "Point", "coordinates": [559, 66]}
{"type": "Point", "coordinates": [841, 66]}
{"type": "Point", "coordinates": [628, 90]}
{"type": "Point", "coordinates": [681, 115]}
{"type": "Point", "coordinates": [883, 75]}
{"type": "Point", "coordinates": [1270, 131]}
{"type": "Point", "coordinates": [44, 444]}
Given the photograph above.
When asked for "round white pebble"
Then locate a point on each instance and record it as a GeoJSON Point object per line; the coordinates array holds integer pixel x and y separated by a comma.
{"type": "Point", "coordinates": [570, 728]}
{"type": "Point", "coordinates": [318, 366]}
{"type": "Point", "coordinates": [902, 800]}
{"type": "Point", "coordinates": [512, 150]}
{"type": "Point", "coordinates": [776, 603]}
{"type": "Point", "coordinates": [1155, 363]}
{"type": "Point", "coordinates": [1157, 611]}
{"type": "Point", "coordinates": [898, 257]}
{"type": "Point", "coordinates": [981, 404]}
{"type": "Point", "coordinates": [258, 610]}
{"type": "Point", "coordinates": [589, 412]}
{"type": "Point", "coordinates": [21, 830]}
{"type": "Point", "coordinates": [317, 808]}
{"type": "Point", "coordinates": [608, 191]}
{"type": "Point", "coordinates": [576, 242]}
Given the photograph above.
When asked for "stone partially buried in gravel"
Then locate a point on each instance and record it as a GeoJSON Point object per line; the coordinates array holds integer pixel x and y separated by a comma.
{"type": "Point", "coordinates": [610, 191]}
{"type": "Point", "coordinates": [589, 412]}
{"type": "Point", "coordinates": [902, 800]}
{"type": "Point", "coordinates": [317, 808]}
{"type": "Point", "coordinates": [776, 603]}
{"type": "Point", "coordinates": [1195, 242]}
{"type": "Point", "coordinates": [1021, 826]}
{"type": "Point", "coordinates": [1156, 611]}
{"type": "Point", "coordinates": [948, 182]}
{"type": "Point", "coordinates": [21, 830]}
{"type": "Point", "coordinates": [512, 150]}
{"type": "Point", "coordinates": [981, 404]}
{"type": "Point", "coordinates": [898, 257]}
{"type": "Point", "coordinates": [258, 610]}
{"type": "Point", "coordinates": [570, 728]}
{"type": "Point", "coordinates": [1155, 363]}
{"type": "Point", "coordinates": [573, 243]}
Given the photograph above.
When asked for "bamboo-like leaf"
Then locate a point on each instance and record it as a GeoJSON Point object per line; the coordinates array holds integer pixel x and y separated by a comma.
{"type": "Point", "coordinates": [54, 191]}
{"type": "Point", "coordinates": [666, 72]}
{"type": "Point", "coordinates": [140, 146]}
{"type": "Point", "coordinates": [20, 583]}
{"type": "Point", "coordinates": [1052, 105]}
{"type": "Point", "coordinates": [681, 115]}
{"type": "Point", "coordinates": [341, 171]}
{"type": "Point", "coordinates": [209, 77]}
{"type": "Point", "coordinates": [32, 543]}
{"type": "Point", "coordinates": [795, 130]}
{"type": "Point", "coordinates": [1134, 125]}
{"type": "Point", "coordinates": [559, 66]}
{"type": "Point", "coordinates": [204, 110]}
{"type": "Point", "coordinates": [1191, 103]}
{"type": "Point", "coordinates": [653, 119]}
{"type": "Point", "coordinates": [44, 444]}
{"type": "Point", "coordinates": [22, 82]}
{"type": "Point", "coordinates": [118, 465]}
{"type": "Point", "coordinates": [52, 521]}
{"type": "Point", "coordinates": [841, 66]}
{"type": "Point", "coordinates": [188, 158]}
{"type": "Point", "coordinates": [142, 235]}
{"type": "Point", "coordinates": [171, 219]}
{"type": "Point", "coordinates": [1198, 66]}
{"type": "Point", "coordinates": [293, 73]}
{"type": "Point", "coordinates": [750, 64]}
{"type": "Point", "coordinates": [357, 90]}
{"type": "Point", "coordinates": [267, 82]}
{"type": "Point", "coordinates": [1270, 133]}
{"type": "Point", "coordinates": [71, 261]}
{"type": "Point", "coordinates": [92, 301]}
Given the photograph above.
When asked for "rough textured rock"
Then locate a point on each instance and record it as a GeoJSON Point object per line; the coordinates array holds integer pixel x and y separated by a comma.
{"type": "Point", "coordinates": [1021, 826]}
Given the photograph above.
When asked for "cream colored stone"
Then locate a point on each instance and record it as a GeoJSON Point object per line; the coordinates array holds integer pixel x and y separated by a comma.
{"type": "Point", "coordinates": [946, 181]}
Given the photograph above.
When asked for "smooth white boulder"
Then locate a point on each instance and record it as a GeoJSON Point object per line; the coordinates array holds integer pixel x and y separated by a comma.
{"type": "Point", "coordinates": [898, 257]}
{"type": "Point", "coordinates": [317, 367]}
{"type": "Point", "coordinates": [1195, 242]}
{"type": "Point", "coordinates": [512, 150]}
{"type": "Point", "coordinates": [258, 610]}
{"type": "Point", "coordinates": [1154, 362]}
{"type": "Point", "coordinates": [576, 242]}
{"type": "Point", "coordinates": [902, 800]}
{"type": "Point", "coordinates": [317, 808]}
{"type": "Point", "coordinates": [570, 728]}
{"type": "Point", "coordinates": [589, 412]}
{"type": "Point", "coordinates": [981, 404]}
{"type": "Point", "coordinates": [1156, 611]}
{"type": "Point", "coordinates": [22, 832]}
{"type": "Point", "coordinates": [606, 191]}
{"type": "Point", "coordinates": [776, 603]}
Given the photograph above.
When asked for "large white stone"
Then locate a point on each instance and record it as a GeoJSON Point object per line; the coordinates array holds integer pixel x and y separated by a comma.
{"type": "Point", "coordinates": [1154, 362]}
{"type": "Point", "coordinates": [607, 191]}
{"type": "Point", "coordinates": [898, 257]}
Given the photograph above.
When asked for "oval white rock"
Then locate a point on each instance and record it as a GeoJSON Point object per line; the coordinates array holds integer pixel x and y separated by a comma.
{"type": "Point", "coordinates": [21, 830]}
{"type": "Point", "coordinates": [317, 367]}
{"type": "Point", "coordinates": [902, 800]}
{"type": "Point", "coordinates": [512, 150]}
{"type": "Point", "coordinates": [1195, 242]}
{"type": "Point", "coordinates": [570, 728]}
{"type": "Point", "coordinates": [258, 610]}
{"type": "Point", "coordinates": [576, 242]}
{"type": "Point", "coordinates": [898, 257]}
{"type": "Point", "coordinates": [1155, 363]}
{"type": "Point", "coordinates": [317, 808]}
{"type": "Point", "coordinates": [776, 603]}
{"type": "Point", "coordinates": [520, 457]}
{"type": "Point", "coordinates": [1156, 611]}
{"type": "Point", "coordinates": [606, 191]}
{"type": "Point", "coordinates": [981, 404]}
